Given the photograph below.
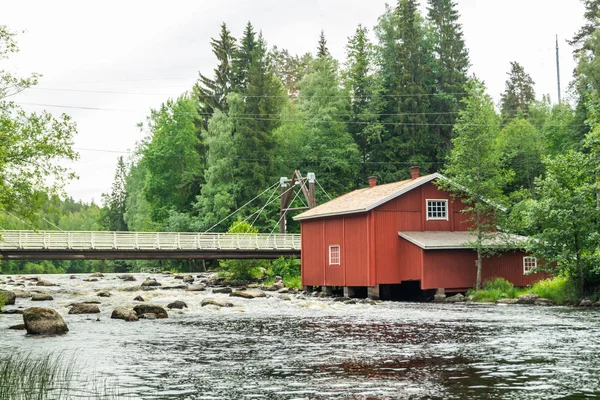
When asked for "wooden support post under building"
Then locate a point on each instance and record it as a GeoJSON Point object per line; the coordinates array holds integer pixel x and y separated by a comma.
{"type": "Point", "coordinates": [349, 291]}
{"type": "Point", "coordinates": [373, 292]}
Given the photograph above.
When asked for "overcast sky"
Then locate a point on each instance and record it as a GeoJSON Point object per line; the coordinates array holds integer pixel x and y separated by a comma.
{"type": "Point", "coordinates": [107, 63]}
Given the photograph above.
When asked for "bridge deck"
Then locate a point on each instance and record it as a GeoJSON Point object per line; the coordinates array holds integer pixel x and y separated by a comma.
{"type": "Point", "coordinates": [60, 245]}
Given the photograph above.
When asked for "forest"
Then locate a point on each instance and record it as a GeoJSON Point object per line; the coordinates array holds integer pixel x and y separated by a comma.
{"type": "Point", "coordinates": [403, 96]}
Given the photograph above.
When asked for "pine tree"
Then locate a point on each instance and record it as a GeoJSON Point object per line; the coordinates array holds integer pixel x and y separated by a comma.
{"type": "Point", "coordinates": [322, 50]}
{"type": "Point", "coordinates": [450, 67]}
{"type": "Point", "coordinates": [212, 93]}
{"type": "Point", "coordinates": [518, 95]}
{"type": "Point", "coordinates": [112, 215]}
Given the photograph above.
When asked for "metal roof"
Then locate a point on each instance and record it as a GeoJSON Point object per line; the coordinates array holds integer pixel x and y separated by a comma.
{"type": "Point", "coordinates": [449, 240]}
{"type": "Point", "coordinates": [366, 199]}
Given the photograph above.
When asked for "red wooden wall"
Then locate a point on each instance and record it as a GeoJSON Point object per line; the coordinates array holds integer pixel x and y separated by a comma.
{"type": "Point", "coordinates": [351, 233]}
{"type": "Point", "coordinates": [456, 269]}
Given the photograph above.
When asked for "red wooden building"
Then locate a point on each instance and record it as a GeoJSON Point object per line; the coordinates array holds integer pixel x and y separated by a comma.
{"type": "Point", "coordinates": [398, 240]}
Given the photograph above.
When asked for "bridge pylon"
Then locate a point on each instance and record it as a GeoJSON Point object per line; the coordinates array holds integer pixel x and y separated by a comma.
{"type": "Point", "coordinates": [288, 187]}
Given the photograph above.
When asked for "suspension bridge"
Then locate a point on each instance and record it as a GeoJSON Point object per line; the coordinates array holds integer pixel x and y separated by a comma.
{"type": "Point", "coordinates": [103, 245]}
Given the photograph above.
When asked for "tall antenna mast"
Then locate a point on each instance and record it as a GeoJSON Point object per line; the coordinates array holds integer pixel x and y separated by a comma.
{"type": "Point", "coordinates": [558, 70]}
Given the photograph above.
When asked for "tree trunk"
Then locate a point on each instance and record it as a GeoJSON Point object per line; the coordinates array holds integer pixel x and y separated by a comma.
{"type": "Point", "coordinates": [479, 265]}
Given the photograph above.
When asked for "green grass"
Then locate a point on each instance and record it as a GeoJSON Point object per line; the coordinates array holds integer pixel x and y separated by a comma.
{"type": "Point", "coordinates": [27, 377]}
{"type": "Point", "coordinates": [559, 289]}
{"type": "Point", "coordinates": [494, 290]}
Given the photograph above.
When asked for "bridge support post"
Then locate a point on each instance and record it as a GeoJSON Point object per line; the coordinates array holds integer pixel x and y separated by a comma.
{"type": "Point", "coordinates": [373, 292]}
{"type": "Point", "coordinates": [327, 290]}
{"type": "Point", "coordinates": [308, 289]}
{"type": "Point", "coordinates": [349, 291]}
{"type": "Point", "coordinates": [440, 295]}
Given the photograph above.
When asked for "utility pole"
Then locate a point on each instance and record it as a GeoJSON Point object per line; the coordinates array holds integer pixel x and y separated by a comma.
{"type": "Point", "coordinates": [558, 70]}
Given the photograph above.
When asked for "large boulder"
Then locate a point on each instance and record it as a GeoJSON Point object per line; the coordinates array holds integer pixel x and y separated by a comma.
{"type": "Point", "coordinates": [225, 290]}
{"type": "Point", "coordinates": [507, 301]}
{"type": "Point", "coordinates": [544, 302]}
{"type": "Point", "coordinates": [527, 298]}
{"type": "Point", "coordinates": [196, 288]}
{"type": "Point", "coordinates": [248, 293]}
{"type": "Point", "coordinates": [8, 297]}
{"type": "Point", "coordinates": [84, 308]}
{"type": "Point", "coordinates": [216, 302]}
{"type": "Point", "coordinates": [43, 321]}
{"type": "Point", "coordinates": [41, 297]}
{"type": "Point", "coordinates": [150, 282]}
{"type": "Point", "coordinates": [45, 283]}
{"type": "Point", "coordinates": [457, 298]}
{"type": "Point", "coordinates": [124, 313]}
{"type": "Point", "coordinates": [178, 304]}
{"type": "Point", "coordinates": [586, 303]}
{"type": "Point", "coordinates": [141, 309]}
{"type": "Point", "coordinates": [188, 279]}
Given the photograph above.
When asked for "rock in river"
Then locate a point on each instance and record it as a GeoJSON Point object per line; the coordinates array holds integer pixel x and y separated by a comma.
{"type": "Point", "coordinates": [586, 303]}
{"type": "Point", "coordinates": [216, 302]}
{"type": "Point", "coordinates": [248, 293]}
{"type": "Point", "coordinates": [17, 327]}
{"type": "Point", "coordinates": [41, 297]}
{"type": "Point", "coordinates": [196, 288]}
{"type": "Point", "coordinates": [8, 297]}
{"type": "Point", "coordinates": [45, 283]}
{"type": "Point", "coordinates": [149, 282]}
{"type": "Point", "coordinates": [457, 298]}
{"type": "Point", "coordinates": [150, 309]}
{"type": "Point", "coordinates": [527, 299]}
{"type": "Point", "coordinates": [103, 294]}
{"type": "Point", "coordinates": [507, 301]}
{"type": "Point", "coordinates": [83, 308]}
{"type": "Point", "coordinates": [139, 298]}
{"type": "Point", "coordinates": [177, 304]}
{"type": "Point", "coordinates": [43, 321]}
{"type": "Point", "coordinates": [544, 302]}
{"type": "Point", "coordinates": [188, 279]}
{"type": "Point", "coordinates": [124, 313]}
{"type": "Point", "coordinates": [225, 290]}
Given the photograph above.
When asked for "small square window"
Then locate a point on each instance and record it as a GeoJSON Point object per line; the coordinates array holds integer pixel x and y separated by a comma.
{"type": "Point", "coordinates": [529, 263]}
{"type": "Point", "coordinates": [437, 210]}
{"type": "Point", "coordinates": [334, 255]}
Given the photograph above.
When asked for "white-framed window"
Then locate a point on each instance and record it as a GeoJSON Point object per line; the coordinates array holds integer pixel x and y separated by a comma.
{"type": "Point", "coordinates": [437, 209]}
{"type": "Point", "coordinates": [529, 263]}
{"type": "Point", "coordinates": [334, 254]}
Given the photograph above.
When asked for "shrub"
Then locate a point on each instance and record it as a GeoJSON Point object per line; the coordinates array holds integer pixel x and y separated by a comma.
{"type": "Point", "coordinates": [243, 269]}
{"type": "Point", "coordinates": [493, 290]}
{"type": "Point", "coordinates": [285, 267]}
{"type": "Point", "coordinates": [560, 289]}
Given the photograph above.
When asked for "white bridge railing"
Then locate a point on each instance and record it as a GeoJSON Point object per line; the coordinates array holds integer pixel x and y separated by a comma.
{"type": "Point", "coordinates": [97, 240]}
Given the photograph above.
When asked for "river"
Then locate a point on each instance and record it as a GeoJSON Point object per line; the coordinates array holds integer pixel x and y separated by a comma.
{"type": "Point", "coordinates": [308, 348]}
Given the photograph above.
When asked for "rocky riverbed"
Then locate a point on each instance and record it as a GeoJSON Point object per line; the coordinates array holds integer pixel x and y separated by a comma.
{"type": "Point", "coordinates": [273, 345]}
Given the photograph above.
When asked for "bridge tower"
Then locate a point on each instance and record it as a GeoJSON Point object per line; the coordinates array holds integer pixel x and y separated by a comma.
{"type": "Point", "coordinates": [288, 186]}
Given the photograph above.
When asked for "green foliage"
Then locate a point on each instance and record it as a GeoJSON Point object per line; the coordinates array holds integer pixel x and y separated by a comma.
{"type": "Point", "coordinates": [243, 270]}
{"type": "Point", "coordinates": [493, 290]}
{"type": "Point", "coordinates": [34, 145]}
{"type": "Point", "coordinates": [522, 148]}
{"type": "Point", "coordinates": [112, 216]}
{"type": "Point", "coordinates": [475, 168]}
{"type": "Point", "coordinates": [564, 217]}
{"type": "Point", "coordinates": [285, 268]}
{"type": "Point", "coordinates": [518, 95]}
{"type": "Point", "coordinates": [561, 289]}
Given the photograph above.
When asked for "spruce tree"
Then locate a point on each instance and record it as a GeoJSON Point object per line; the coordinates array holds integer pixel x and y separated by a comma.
{"type": "Point", "coordinates": [112, 215]}
{"type": "Point", "coordinates": [450, 67]}
{"type": "Point", "coordinates": [360, 83]}
{"type": "Point", "coordinates": [404, 70]}
{"type": "Point", "coordinates": [212, 93]}
{"type": "Point", "coordinates": [592, 17]}
{"type": "Point", "coordinates": [243, 57]}
{"type": "Point", "coordinates": [518, 95]}
{"type": "Point", "coordinates": [322, 50]}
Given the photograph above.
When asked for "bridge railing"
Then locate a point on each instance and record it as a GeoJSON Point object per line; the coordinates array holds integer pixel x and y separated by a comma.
{"type": "Point", "coordinates": [97, 240]}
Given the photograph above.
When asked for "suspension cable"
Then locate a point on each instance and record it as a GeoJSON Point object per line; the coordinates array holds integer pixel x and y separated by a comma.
{"type": "Point", "coordinates": [326, 194]}
{"type": "Point", "coordinates": [239, 209]}
{"type": "Point", "coordinates": [283, 214]}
